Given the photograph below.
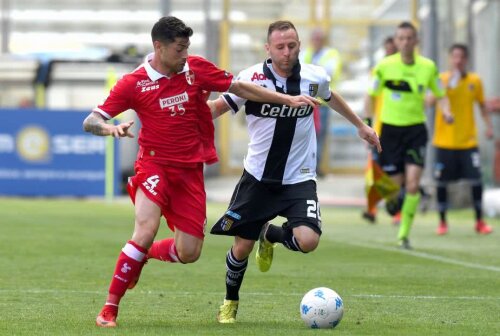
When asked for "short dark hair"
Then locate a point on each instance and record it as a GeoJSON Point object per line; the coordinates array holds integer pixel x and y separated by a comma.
{"type": "Point", "coordinates": [389, 39]}
{"type": "Point", "coordinates": [408, 25]}
{"type": "Point", "coordinates": [168, 28]}
{"type": "Point", "coordinates": [280, 25]}
{"type": "Point", "coordinates": [460, 46]}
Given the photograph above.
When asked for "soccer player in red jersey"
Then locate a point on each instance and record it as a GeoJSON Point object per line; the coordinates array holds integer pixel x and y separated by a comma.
{"type": "Point", "coordinates": [177, 137]}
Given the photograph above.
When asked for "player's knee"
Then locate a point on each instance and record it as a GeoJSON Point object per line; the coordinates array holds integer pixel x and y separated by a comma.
{"type": "Point", "coordinates": [188, 256]}
{"type": "Point", "coordinates": [308, 244]}
{"type": "Point", "coordinates": [307, 238]}
{"type": "Point", "coordinates": [242, 248]}
{"type": "Point", "coordinates": [144, 232]}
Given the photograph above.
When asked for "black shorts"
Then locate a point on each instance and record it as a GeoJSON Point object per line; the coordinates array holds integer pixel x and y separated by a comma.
{"type": "Point", "coordinates": [402, 145]}
{"type": "Point", "coordinates": [254, 203]}
{"type": "Point", "coordinates": [455, 164]}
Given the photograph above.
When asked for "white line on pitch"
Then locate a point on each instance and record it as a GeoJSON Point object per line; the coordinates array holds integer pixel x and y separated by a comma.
{"type": "Point", "coordinates": [167, 293]}
{"type": "Point", "coordinates": [425, 255]}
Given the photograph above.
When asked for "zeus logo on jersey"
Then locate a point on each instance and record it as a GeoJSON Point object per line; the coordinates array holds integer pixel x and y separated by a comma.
{"type": "Point", "coordinates": [285, 111]}
{"type": "Point", "coordinates": [150, 88]}
{"type": "Point", "coordinates": [147, 85]}
{"type": "Point", "coordinates": [174, 100]}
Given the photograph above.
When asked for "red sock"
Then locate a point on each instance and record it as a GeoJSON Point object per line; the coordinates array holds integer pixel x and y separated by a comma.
{"type": "Point", "coordinates": [128, 267]}
{"type": "Point", "coordinates": [164, 250]}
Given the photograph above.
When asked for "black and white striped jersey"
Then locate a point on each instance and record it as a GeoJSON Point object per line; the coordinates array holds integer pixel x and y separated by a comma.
{"type": "Point", "coordinates": [282, 148]}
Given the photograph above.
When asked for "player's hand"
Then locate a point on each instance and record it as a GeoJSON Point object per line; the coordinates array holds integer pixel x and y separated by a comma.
{"type": "Point", "coordinates": [448, 117]}
{"type": "Point", "coordinates": [122, 130]}
{"type": "Point", "coordinates": [493, 104]}
{"type": "Point", "coordinates": [369, 135]}
{"type": "Point", "coordinates": [297, 101]}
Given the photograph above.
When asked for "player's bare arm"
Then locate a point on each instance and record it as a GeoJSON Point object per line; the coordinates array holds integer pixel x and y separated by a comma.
{"type": "Point", "coordinates": [218, 107]}
{"type": "Point", "coordinates": [365, 132]}
{"type": "Point", "coordinates": [95, 124]}
{"type": "Point", "coordinates": [259, 94]}
{"type": "Point", "coordinates": [369, 103]}
{"type": "Point", "coordinates": [488, 132]}
{"type": "Point", "coordinates": [444, 103]}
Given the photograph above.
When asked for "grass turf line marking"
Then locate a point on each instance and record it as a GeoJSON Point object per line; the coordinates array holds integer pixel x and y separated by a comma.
{"type": "Point", "coordinates": [426, 255]}
{"type": "Point", "coordinates": [166, 292]}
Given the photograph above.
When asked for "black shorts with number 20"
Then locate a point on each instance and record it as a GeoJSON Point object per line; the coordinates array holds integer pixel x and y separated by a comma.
{"type": "Point", "coordinates": [254, 203]}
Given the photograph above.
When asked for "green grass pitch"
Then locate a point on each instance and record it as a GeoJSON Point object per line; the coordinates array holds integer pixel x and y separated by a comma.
{"type": "Point", "coordinates": [57, 257]}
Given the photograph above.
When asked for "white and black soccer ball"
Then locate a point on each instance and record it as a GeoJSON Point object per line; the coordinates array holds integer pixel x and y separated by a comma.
{"type": "Point", "coordinates": [321, 308]}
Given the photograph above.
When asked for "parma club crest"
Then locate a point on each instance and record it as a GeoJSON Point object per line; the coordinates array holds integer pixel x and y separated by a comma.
{"type": "Point", "coordinates": [313, 89]}
{"type": "Point", "coordinates": [190, 77]}
{"type": "Point", "coordinates": [226, 223]}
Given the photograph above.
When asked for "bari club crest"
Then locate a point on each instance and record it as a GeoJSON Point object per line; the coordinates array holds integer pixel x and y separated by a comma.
{"type": "Point", "coordinates": [190, 77]}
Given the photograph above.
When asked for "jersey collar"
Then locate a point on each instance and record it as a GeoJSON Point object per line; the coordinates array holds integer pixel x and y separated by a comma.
{"type": "Point", "coordinates": [269, 70]}
{"type": "Point", "coordinates": [155, 75]}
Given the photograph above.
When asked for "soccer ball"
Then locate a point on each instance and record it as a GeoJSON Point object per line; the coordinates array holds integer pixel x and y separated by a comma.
{"type": "Point", "coordinates": [321, 308]}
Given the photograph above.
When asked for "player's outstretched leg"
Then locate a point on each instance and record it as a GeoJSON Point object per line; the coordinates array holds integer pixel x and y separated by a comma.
{"type": "Point", "coordinates": [127, 270]}
{"type": "Point", "coordinates": [235, 272]}
{"type": "Point", "coordinates": [264, 255]}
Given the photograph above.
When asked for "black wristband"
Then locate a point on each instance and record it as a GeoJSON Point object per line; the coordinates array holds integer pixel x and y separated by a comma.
{"type": "Point", "coordinates": [368, 121]}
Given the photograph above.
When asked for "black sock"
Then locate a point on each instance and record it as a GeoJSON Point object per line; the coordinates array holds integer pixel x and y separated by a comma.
{"type": "Point", "coordinates": [275, 234]}
{"type": "Point", "coordinates": [477, 199]}
{"type": "Point", "coordinates": [290, 242]}
{"type": "Point", "coordinates": [235, 270]}
{"type": "Point", "coordinates": [442, 200]}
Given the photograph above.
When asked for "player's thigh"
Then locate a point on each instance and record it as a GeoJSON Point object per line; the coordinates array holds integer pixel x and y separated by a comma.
{"type": "Point", "coordinates": [252, 205]}
{"type": "Point", "coordinates": [445, 166]}
{"type": "Point", "coordinates": [301, 206]}
{"type": "Point", "coordinates": [391, 159]}
{"type": "Point", "coordinates": [147, 220]}
{"type": "Point", "coordinates": [186, 209]}
{"type": "Point", "coordinates": [144, 189]}
{"type": "Point", "coordinates": [415, 143]}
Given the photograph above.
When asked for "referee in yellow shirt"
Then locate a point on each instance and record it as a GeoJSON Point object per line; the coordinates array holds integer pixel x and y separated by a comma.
{"type": "Point", "coordinates": [456, 143]}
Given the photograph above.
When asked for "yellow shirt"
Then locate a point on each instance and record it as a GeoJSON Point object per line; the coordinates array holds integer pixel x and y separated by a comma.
{"type": "Point", "coordinates": [462, 133]}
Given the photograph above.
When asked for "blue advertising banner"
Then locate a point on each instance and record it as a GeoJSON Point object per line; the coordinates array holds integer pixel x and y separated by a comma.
{"type": "Point", "coordinates": [46, 153]}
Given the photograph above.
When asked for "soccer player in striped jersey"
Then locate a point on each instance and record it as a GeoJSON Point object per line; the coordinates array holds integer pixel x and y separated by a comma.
{"type": "Point", "coordinates": [176, 139]}
{"type": "Point", "coordinates": [279, 177]}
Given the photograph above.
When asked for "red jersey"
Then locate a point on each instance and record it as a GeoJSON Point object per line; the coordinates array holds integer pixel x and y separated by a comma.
{"type": "Point", "coordinates": [176, 122]}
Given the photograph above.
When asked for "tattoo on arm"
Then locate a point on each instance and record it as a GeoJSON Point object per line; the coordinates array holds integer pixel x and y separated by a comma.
{"type": "Point", "coordinates": [95, 124]}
